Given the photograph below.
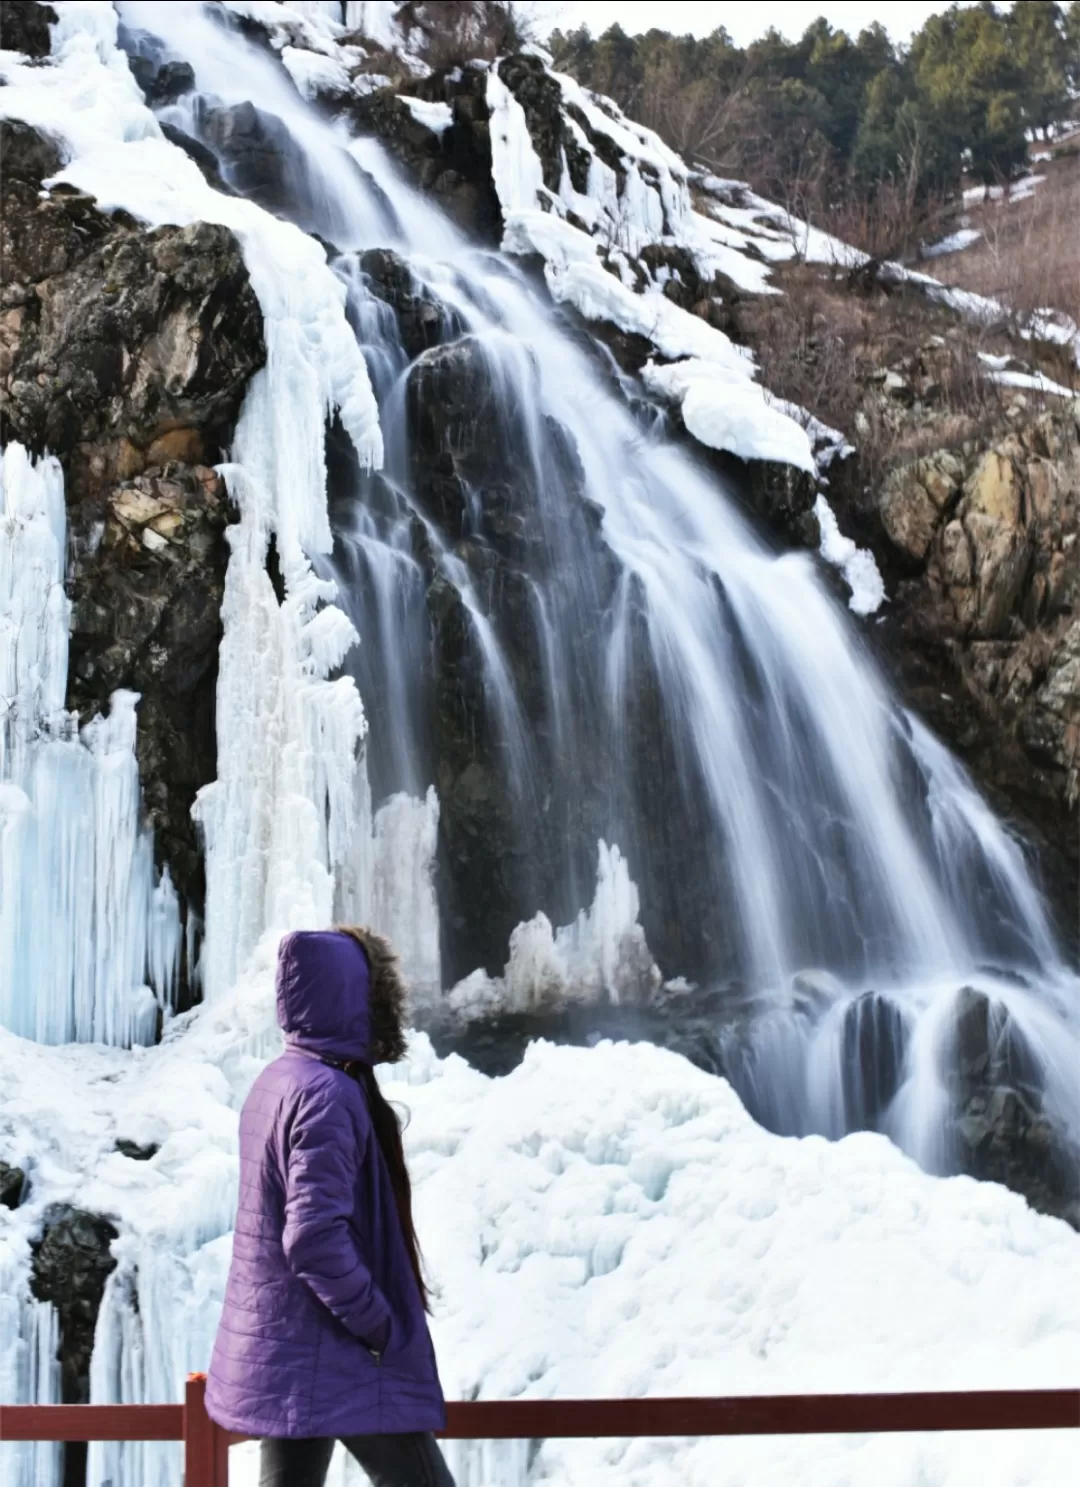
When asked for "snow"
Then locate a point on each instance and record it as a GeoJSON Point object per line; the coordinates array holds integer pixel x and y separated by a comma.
{"type": "Point", "coordinates": [434, 116]}
{"type": "Point", "coordinates": [732, 414]}
{"type": "Point", "coordinates": [601, 1221]}
{"type": "Point", "coordinates": [857, 564]}
{"type": "Point", "coordinates": [1021, 190]}
{"type": "Point", "coordinates": [956, 242]}
{"type": "Point", "coordinates": [1033, 381]}
{"type": "Point", "coordinates": [712, 379]}
{"type": "Point", "coordinates": [314, 74]}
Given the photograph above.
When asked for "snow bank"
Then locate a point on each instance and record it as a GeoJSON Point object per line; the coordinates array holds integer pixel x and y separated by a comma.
{"type": "Point", "coordinates": [731, 414]}
{"type": "Point", "coordinates": [956, 242]}
{"type": "Point", "coordinates": [602, 1221]}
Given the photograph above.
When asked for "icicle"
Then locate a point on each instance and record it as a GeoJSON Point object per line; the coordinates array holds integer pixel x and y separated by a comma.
{"type": "Point", "coordinates": [77, 880]}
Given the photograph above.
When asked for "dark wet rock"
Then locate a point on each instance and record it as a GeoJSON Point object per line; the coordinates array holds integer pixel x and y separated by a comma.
{"type": "Point", "coordinates": [70, 1266]}
{"type": "Point", "coordinates": [693, 1022]}
{"type": "Point", "coordinates": [28, 155]}
{"type": "Point", "coordinates": [421, 320]}
{"type": "Point", "coordinates": [541, 100]}
{"type": "Point", "coordinates": [163, 84]}
{"type": "Point", "coordinates": [1003, 1132]}
{"type": "Point", "coordinates": [875, 1041]}
{"type": "Point", "coordinates": [203, 157]}
{"type": "Point", "coordinates": [134, 1151]}
{"type": "Point", "coordinates": [12, 1182]}
{"type": "Point", "coordinates": [453, 165]}
{"type": "Point", "coordinates": [24, 27]}
{"type": "Point", "coordinates": [501, 853]}
{"type": "Point", "coordinates": [257, 152]}
{"type": "Point", "coordinates": [147, 602]}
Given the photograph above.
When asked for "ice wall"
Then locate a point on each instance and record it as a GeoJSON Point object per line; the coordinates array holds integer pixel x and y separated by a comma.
{"type": "Point", "coordinates": [89, 933]}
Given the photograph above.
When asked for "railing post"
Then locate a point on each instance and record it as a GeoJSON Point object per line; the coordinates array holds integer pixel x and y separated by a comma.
{"type": "Point", "coordinates": [206, 1447]}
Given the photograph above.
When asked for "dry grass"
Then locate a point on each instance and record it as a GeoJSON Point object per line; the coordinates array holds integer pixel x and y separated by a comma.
{"type": "Point", "coordinates": [1029, 258]}
{"type": "Point", "coordinates": [826, 341]}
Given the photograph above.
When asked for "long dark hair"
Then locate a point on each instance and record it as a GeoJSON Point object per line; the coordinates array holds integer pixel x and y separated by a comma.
{"type": "Point", "coordinates": [388, 1134]}
{"type": "Point", "coordinates": [387, 1008]}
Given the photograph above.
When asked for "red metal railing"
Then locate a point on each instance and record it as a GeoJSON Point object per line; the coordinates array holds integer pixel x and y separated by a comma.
{"type": "Point", "coordinates": [206, 1447]}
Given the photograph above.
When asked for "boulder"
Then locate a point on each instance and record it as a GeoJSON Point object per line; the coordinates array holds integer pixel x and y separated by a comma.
{"type": "Point", "coordinates": [1001, 1130]}
{"type": "Point", "coordinates": [874, 1043]}
{"type": "Point", "coordinates": [422, 321]}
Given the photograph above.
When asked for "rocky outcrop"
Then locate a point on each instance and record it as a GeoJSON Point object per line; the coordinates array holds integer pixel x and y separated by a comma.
{"type": "Point", "coordinates": [1002, 1132]}
{"type": "Point", "coordinates": [985, 622]}
{"type": "Point", "coordinates": [500, 855]}
{"type": "Point", "coordinates": [126, 352]}
{"type": "Point", "coordinates": [452, 164]}
{"type": "Point", "coordinates": [147, 597]}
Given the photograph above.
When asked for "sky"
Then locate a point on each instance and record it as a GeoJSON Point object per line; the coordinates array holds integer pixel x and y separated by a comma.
{"type": "Point", "coordinates": [744, 20]}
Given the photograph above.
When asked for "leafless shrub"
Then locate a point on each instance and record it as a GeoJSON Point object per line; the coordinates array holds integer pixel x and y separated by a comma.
{"type": "Point", "coordinates": [451, 33]}
{"type": "Point", "coordinates": [1028, 259]}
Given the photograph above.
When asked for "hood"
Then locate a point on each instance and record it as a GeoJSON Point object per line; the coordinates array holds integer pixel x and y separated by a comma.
{"type": "Point", "coordinates": [323, 994]}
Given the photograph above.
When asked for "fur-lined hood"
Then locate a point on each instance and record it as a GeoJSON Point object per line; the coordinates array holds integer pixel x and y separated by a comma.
{"type": "Point", "coordinates": [340, 995]}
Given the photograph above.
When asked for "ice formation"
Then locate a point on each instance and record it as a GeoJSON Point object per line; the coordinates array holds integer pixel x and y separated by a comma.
{"type": "Point", "coordinates": [857, 564]}
{"type": "Point", "coordinates": [600, 1222]}
{"type": "Point", "coordinates": [85, 921]}
{"type": "Point", "coordinates": [601, 957]}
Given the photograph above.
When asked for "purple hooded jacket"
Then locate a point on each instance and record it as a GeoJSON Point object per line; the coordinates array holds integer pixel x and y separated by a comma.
{"type": "Point", "coordinates": [320, 1272]}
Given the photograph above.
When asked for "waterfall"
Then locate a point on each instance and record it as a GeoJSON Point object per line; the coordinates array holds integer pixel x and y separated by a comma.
{"type": "Point", "coordinates": [821, 828]}
{"type": "Point", "coordinates": [682, 744]}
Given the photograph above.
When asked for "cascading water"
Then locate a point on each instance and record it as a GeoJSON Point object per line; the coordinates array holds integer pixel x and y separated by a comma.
{"type": "Point", "coordinates": [644, 671]}
{"type": "Point", "coordinates": [837, 834]}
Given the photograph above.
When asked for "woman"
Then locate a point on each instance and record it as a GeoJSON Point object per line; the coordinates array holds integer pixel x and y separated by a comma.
{"type": "Point", "coordinates": [323, 1335]}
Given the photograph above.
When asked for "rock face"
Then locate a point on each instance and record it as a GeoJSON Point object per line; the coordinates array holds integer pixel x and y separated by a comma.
{"type": "Point", "coordinates": [126, 353]}
{"type": "Point", "coordinates": [453, 165]}
{"type": "Point", "coordinates": [985, 623]}
{"type": "Point", "coordinates": [497, 856]}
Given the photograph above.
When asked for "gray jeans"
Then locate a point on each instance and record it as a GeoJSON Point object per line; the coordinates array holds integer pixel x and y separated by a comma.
{"type": "Point", "coordinates": [389, 1460]}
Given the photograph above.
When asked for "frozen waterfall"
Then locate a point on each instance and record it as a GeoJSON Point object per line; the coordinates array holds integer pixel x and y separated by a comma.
{"type": "Point", "coordinates": [85, 920]}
